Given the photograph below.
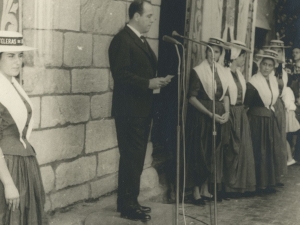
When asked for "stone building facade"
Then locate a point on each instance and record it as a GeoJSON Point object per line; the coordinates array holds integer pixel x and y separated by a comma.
{"type": "Point", "coordinates": [69, 82]}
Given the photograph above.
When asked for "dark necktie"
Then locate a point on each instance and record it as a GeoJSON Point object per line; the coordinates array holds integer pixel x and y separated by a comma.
{"type": "Point", "coordinates": [144, 42]}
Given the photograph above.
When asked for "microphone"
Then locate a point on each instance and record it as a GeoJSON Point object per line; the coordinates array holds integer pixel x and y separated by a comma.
{"type": "Point", "coordinates": [175, 34]}
{"type": "Point", "coordinates": [171, 40]}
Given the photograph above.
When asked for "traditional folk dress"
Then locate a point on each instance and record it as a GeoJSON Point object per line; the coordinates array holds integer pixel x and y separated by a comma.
{"type": "Point", "coordinates": [199, 127]}
{"type": "Point", "coordinates": [15, 128]}
{"type": "Point", "coordinates": [239, 167]}
{"type": "Point", "coordinates": [261, 96]}
{"type": "Point", "coordinates": [280, 115]}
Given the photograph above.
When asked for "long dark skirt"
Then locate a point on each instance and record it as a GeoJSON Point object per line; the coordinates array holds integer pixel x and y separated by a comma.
{"type": "Point", "coordinates": [26, 175]}
{"type": "Point", "coordinates": [200, 163]}
{"type": "Point", "coordinates": [239, 167]}
{"type": "Point", "coordinates": [265, 146]}
{"type": "Point", "coordinates": [281, 156]}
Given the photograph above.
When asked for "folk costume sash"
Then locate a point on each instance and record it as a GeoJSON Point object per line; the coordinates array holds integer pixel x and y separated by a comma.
{"type": "Point", "coordinates": [232, 87]}
{"type": "Point", "coordinates": [14, 104]}
{"type": "Point", "coordinates": [204, 73]}
{"type": "Point", "coordinates": [267, 95]}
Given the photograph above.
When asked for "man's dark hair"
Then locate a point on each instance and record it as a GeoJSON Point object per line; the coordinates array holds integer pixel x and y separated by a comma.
{"type": "Point", "coordinates": [137, 6]}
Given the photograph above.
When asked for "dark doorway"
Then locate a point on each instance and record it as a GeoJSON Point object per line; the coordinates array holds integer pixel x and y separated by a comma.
{"type": "Point", "coordinates": [172, 17]}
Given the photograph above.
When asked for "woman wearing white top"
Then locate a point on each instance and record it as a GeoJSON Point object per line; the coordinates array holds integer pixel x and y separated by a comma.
{"type": "Point", "coordinates": [261, 95]}
{"type": "Point", "coordinates": [199, 121]}
{"type": "Point", "coordinates": [239, 169]}
{"type": "Point", "coordinates": [22, 195]}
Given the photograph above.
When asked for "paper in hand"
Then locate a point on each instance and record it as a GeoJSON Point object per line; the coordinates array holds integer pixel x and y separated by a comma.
{"type": "Point", "coordinates": [156, 91]}
{"type": "Point", "coordinates": [169, 77]}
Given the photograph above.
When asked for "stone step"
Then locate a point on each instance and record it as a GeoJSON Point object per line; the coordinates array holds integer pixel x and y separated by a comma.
{"type": "Point", "coordinates": [162, 214]}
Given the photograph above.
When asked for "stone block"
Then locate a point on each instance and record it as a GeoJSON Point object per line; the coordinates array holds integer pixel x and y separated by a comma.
{"type": "Point", "coordinates": [90, 80]}
{"type": "Point", "coordinates": [48, 178]}
{"type": "Point", "coordinates": [68, 196]}
{"type": "Point", "coordinates": [104, 186]}
{"type": "Point", "coordinates": [108, 162]}
{"type": "Point", "coordinates": [49, 47]}
{"type": "Point", "coordinates": [101, 105]}
{"type": "Point", "coordinates": [39, 81]}
{"type": "Point", "coordinates": [48, 205]}
{"type": "Point", "coordinates": [66, 14]}
{"type": "Point", "coordinates": [100, 135]}
{"type": "Point", "coordinates": [36, 105]}
{"type": "Point", "coordinates": [162, 214]}
{"type": "Point", "coordinates": [104, 17]}
{"type": "Point", "coordinates": [154, 45]}
{"type": "Point", "coordinates": [64, 109]}
{"type": "Point", "coordinates": [100, 51]}
{"type": "Point", "coordinates": [28, 39]}
{"type": "Point", "coordinates": [71, 217]}
{"type": "Point", "coordinates": [77, 49]}
{"type": "Point", "coordinates": [110, 19]}
{"type": "Point", "coordinates": [149, 178]}
{"type": "Point", "coordinates": [76, 172]}
{"type": "Point", "coordinates": [37, 14]}
{"type": "Point", "coordinates": [154, 30]}
{"type": "Point", "coordinates": [58, 144]}
{"type": "Point", "coordinates": [111, 81]}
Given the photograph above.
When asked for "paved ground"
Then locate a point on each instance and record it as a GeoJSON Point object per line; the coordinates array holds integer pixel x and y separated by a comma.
{"type": "Point", "coordinates": [281, 208]}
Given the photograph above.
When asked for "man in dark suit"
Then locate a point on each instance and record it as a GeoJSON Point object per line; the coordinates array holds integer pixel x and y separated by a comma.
{"type": "Point", "coordinates": [133, 66]}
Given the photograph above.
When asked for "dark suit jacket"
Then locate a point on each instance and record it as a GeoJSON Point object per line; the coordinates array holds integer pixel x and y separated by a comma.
{"type": "Point", "coordinates": [132, 65]}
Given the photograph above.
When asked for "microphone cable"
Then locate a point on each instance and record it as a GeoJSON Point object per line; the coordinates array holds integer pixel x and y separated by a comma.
{"type": "Point", "coordinates": [184, 108]}
{"type": "Point", "coordinates": [183, 82]}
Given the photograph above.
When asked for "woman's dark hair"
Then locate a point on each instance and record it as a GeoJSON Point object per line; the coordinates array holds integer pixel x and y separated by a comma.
{"type": "Point", "coordinates": [227, 57]}
{"type": "Point", "coordinates": [278, 71]}
{"type": "Point", "coordinates": [137, 6]}
{"type": "Point", "coordinates": [264, 58]}
{"type": "Point", "coordinates": [208, 49]}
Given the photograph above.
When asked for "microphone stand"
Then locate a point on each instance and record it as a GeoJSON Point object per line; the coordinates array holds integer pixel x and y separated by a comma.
{"type": "Point", "coordinates": [179, 89]}
{"type": "Point", "coordinates": [214, 132]}
{"type": "Point", "coordinates": [179, 118]}
{"type": "Point", "coordinates": [178, 135]}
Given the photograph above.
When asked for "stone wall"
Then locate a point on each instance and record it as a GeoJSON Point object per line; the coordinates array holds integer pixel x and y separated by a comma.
{"type": "Point", "coordinates": [69, 82]}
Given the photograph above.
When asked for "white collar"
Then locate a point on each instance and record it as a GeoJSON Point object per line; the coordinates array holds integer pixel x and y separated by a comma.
{"type": "Point", "coordinates": [204, 73]}
{"type": "Point", "coordinates": [135, 31]}
{"type": "Point", "coordinates": [11, 100]}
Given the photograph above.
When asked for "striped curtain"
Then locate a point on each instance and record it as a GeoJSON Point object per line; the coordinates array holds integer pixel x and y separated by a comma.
{"type": "Point", "coordinates": [227, 19]}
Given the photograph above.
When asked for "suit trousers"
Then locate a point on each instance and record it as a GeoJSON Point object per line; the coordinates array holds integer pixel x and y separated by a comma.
{"type": "Point", "coordinates": [132, 135]}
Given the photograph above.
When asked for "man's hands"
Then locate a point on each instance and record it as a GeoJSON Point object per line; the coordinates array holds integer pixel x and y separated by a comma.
{"type": "Point", "coordinates": [159, 82]}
